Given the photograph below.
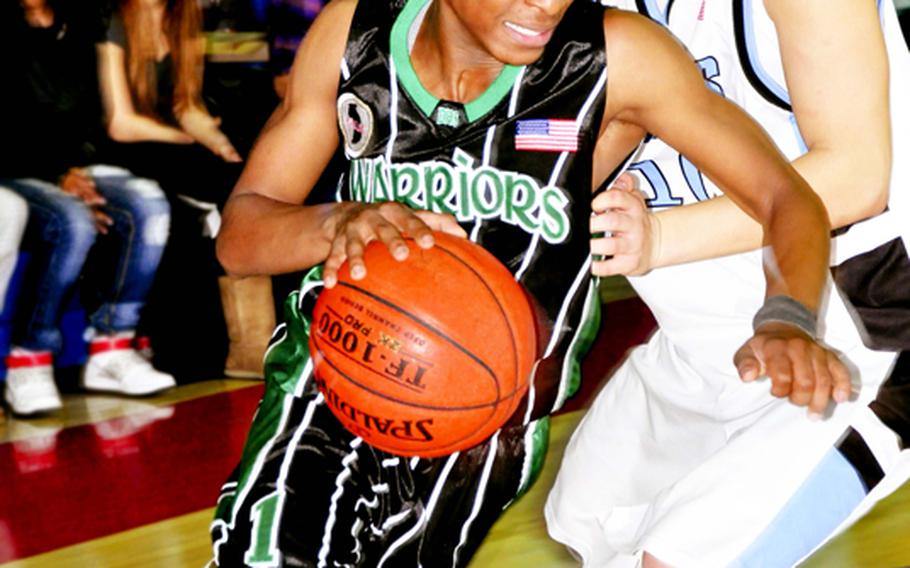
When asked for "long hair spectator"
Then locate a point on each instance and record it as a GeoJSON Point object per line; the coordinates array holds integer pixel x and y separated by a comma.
{"type": "Point", "coordinates": [182, 28]}
{"type": "Point", "coordinates": [151, 69]}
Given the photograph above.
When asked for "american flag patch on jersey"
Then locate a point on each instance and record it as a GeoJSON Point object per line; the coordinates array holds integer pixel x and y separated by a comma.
{"type": "Point", "coordinates": [547, 135]}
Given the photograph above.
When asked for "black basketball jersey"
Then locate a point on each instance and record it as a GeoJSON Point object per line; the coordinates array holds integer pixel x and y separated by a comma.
{"type": "Point", "coordinates": [513, 166]}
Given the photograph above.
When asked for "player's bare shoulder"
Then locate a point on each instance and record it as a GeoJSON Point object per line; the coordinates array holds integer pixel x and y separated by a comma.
{"type": "Point", "coordinates": [335, 13]}
{"type": "Point", "coordinates": [646, 64]}
{"type": "Point", "coordinates": [629, 36]}
{"type": "Point", "coordinates": [319, 56]}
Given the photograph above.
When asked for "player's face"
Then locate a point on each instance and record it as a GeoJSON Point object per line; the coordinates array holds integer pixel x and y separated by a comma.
{"type": "Point", "coordinates": [512, 31]}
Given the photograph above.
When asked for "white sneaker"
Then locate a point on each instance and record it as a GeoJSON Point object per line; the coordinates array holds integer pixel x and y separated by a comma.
{"type": "Point", "coordinates": [114, 366]}
{"type": "Point", "coordinates": [143, 345]}
{"type": "Point", "coordinates": [30, 387]}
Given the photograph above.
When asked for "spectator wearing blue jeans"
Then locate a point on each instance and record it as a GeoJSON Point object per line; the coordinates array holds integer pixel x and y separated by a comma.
{"type": "Point", "coordinates": [98, 223]}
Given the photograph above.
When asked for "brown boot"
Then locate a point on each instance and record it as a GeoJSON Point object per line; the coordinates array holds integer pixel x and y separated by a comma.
{"type": "Point", "coordinates": [249, 313]}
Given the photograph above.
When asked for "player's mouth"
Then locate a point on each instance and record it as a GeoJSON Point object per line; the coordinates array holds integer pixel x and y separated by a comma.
{"type": "Point", "coordinates": [529, 36]}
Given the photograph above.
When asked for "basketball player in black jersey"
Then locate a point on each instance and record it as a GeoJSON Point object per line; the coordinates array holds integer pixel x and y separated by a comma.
{"type": "Point", "coordinates": [491, 120]}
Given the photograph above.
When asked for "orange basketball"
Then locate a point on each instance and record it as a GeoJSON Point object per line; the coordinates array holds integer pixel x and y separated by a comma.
{"type": "Point", "coordinates": [427, 356]}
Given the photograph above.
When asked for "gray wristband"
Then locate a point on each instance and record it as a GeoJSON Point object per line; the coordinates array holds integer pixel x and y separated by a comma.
{"type": "Point", "coordinates": [785, 309]}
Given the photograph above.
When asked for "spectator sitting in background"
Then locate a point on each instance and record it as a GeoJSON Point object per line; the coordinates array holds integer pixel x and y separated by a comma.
{"type": "Point", "coordinates": [150, 69]}
{"type": "Point", "coordinates": [52, 112]}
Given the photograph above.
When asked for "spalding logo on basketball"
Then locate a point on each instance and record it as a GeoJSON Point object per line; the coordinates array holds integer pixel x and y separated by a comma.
{"type": "Point", "coordinates": [427, 356]}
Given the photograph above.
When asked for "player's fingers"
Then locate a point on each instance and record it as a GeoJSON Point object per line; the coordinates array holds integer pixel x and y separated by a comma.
{"type": "Point", "coordinates": [330, 273]}
{"type": "Point", "coordinates": [747, 363]}
{"type": "Point", "coordinates": [615, 221]}
{"type": "Point", "coordinates": [392, 238]}
{"type": "Point", "coordinates": [607, 200]}
{"type": "Point", "coordinates": [608, 246]}
{"type": "Point", "coordinates": [442, 223]}
{"type": "Point", "coordinates": [824, 382]}
{"type": "Point", "coordinates": [803, 375]}
{"type": "Point", "coordinates": [778, 369]}
{"type": "Point", "coordinates": [407, 222]}
{"type": "Point", "coordinates": [612, 266]}
{"type": "Point", "coordinates": [840, 376]}
{"type": "Point", "coordinates": [333, 262]}
{"type": "Point", "coordinates": [359, 235]}
{"type": "Point", "coordinates": [414, 227]}
{"type": "Point", "coordinates": [624, 181]}
{"type": "Point", "coordinates": [354, 253]}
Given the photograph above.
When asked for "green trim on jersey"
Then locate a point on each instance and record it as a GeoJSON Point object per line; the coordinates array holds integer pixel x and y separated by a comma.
{"type": "Point", "coordinates": [540, 441]}
{"type": "Point", "coordinates": [267, 424]}
{"type": "Point", "coordinates": [494, 93]}
{"type": "Point", "coordinates": [408, 77]}
{"type": "Point", "coordinates": [286, 359]}
{"type": "Point", "coordinates": [587, 333]}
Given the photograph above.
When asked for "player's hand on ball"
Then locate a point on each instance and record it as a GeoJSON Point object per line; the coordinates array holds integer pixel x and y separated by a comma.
{"type": "Point", "coordinates": [624, 233]}
{"type": "Point", "coordinates": [799, 367]}
{"type": "Point", "coordinates": [389, 222]}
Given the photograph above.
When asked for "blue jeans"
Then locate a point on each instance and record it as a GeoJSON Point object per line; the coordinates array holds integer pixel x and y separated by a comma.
{"type": "Point", "coordinates": [117, 268]}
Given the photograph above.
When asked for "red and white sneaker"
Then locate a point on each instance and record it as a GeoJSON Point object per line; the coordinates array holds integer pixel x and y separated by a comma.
{"type": "Point", "coordinates": [30, 387]}
{"type": "Point", "coordinates": [115, 366]}
{"type": "Point", "coordinates": [143, 345]}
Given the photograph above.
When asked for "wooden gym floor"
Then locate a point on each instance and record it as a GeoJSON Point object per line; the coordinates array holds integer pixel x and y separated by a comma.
{"type": "Point", "coordinates": [114, 482]}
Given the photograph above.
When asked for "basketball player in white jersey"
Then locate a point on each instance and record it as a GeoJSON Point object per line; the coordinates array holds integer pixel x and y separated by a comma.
{"type": "Point", "coordinates": [675, 465]}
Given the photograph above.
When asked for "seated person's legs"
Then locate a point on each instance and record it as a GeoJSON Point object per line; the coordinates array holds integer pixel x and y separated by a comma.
{"type": "Point", "coordinates": [120, 271]}
{"type": "Point", "coordinates": [59, 234]}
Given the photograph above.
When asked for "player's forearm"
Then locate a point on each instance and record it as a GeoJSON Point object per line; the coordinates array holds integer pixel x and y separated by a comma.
{"type": "Point", "coordinates": [797, 231]}
{"type": "Point", "coordinates": [724, 229]}
{"type": "Point", "coordinates": [851, 190]}
{"type": "Point", "coordinates": [260, 235]}
{"type": "Point", "coordinates": [798, 243]}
